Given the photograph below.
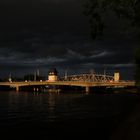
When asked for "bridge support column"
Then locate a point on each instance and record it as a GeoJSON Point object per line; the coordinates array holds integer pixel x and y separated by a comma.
{"type": "Point", "coordinates": [87, 89]}
{"type": "Point", "coordinates": [17, 88]}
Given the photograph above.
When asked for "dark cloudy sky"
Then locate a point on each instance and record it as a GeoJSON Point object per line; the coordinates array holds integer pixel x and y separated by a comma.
{"type": "Point", "coordinates": [41, 34]}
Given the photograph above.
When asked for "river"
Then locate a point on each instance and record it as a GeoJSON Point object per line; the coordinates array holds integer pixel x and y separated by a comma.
{"type": "Point", "coordinates": [54, 115]}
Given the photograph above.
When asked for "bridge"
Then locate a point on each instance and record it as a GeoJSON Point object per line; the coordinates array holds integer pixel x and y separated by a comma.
{"type": "Point", "coordinates": [82, 80]}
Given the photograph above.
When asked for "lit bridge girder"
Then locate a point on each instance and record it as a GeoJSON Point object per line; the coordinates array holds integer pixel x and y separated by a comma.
{"type": "Point", "coordinates": [82, 80]}
{"type": "Point", "coordinates": [89, 78]}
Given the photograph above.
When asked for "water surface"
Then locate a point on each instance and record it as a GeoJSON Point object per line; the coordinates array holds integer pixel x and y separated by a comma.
{"type": "Point", "coordinates": [50, 114]}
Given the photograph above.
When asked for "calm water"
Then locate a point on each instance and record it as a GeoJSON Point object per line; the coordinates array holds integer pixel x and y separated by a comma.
{"type": "Point", "coordinates": [95, 115]}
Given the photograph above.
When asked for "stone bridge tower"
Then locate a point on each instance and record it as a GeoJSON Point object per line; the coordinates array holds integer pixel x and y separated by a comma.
{"type": "Point", "coordinates": [52, 75]}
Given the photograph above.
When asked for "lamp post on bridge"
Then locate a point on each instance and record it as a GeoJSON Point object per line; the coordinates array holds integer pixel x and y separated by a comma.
{"type": "Point", "coordinates": [104, 73]}
{"type": "Point", "coordinates": [10, 78]}
{"type": "Point", "coordinates": [66, 74]}
{"type": "Point", "coordinates": [35, 76]}
{"type": "Point", "coordinates": [92, 72]}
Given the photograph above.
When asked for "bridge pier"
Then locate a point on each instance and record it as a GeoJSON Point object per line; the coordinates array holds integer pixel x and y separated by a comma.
{"type": "Point", "coordinates": [87, 89]}
{"type": "Point", "coordinates": [17, 88]}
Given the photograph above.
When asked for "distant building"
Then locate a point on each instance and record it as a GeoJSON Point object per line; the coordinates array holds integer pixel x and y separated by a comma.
{"type": "Point", "coordinates": [52, 75]}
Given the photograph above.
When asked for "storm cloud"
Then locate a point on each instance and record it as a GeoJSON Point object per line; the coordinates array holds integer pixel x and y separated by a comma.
{"type": "Point", "coordinates": [55, 33]}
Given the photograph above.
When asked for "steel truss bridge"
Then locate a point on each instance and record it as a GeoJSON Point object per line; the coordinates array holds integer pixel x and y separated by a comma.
{"type": "Point", "coordinates": [89, 78]}
{"type": "Point", "coordinates": [82, 80]}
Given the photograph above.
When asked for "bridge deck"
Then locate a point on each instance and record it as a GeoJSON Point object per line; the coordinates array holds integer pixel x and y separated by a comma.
{"type": "Point", "coordinates": [68, 83]}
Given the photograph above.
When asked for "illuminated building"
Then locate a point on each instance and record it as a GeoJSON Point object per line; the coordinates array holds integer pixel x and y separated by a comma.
{"type": "Point", "coordinates": [52, 75]}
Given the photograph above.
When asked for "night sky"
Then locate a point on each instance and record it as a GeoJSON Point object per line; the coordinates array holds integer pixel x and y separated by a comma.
{"type": "Point", "coordinates": [43, 34]}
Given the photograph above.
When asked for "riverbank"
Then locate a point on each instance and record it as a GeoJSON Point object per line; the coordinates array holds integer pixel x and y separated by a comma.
{"type": "Point", "coordinates": [129, 129]}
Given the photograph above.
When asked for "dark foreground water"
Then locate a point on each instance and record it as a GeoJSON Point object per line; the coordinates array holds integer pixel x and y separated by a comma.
{"type": "Point", "coordinates": [65, 115]}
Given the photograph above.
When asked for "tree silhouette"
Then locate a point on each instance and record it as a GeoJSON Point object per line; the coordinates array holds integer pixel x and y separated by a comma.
{"type": "Point", "coordinates": [126, 9]}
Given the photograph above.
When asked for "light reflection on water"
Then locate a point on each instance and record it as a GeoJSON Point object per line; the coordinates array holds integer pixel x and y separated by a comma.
{"type": "Point", "coordinates": [21, 107]}
{"type": "Point", "coordinates": [95, 111]}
